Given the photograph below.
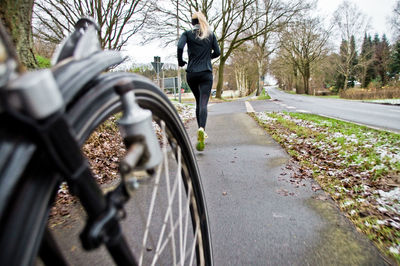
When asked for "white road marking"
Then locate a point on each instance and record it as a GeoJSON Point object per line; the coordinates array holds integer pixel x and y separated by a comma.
{"type": "Point", "coordinates": [303, 111]}
{"type": "Point", "coordinates": [249, 108]}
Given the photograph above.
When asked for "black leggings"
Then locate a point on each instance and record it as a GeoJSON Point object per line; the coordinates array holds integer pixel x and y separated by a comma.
{"type": "Point", "coordinates": [200, 83]}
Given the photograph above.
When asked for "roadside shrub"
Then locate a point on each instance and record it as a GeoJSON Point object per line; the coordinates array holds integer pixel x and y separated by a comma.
{"type": "Point", "coordinates": [375, 84]}
{"type": "Point", "coordinates": [386, 92]}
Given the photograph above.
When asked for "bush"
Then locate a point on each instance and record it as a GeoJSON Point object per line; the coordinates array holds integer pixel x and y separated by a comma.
{"type": "Point", "coordinates": [43, 62]}
{"type": "Point", "coordinates": [375, 84]}
{"type": "Point", "coordinates": [364, 94]}
{"type": "Point", "coordinates": [185, 86]}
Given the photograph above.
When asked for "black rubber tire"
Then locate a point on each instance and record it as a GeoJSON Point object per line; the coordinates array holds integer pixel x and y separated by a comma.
{"type": "Point", "coordinates": [26, 215]}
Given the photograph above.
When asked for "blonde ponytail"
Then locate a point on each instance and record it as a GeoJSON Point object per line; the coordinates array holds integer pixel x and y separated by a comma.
{"type": "Point", "coordinates": [204, 26]}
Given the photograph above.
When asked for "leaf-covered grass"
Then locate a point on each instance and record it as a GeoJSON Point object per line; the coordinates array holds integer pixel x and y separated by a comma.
{"type": "Point", "coordinates": [358, 166]}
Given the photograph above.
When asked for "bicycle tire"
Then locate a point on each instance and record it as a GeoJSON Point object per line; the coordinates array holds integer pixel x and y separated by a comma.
{"type": "Point", "coordinates": [25, 217]}
{"type": "Point", "coordinates": [85, 114]}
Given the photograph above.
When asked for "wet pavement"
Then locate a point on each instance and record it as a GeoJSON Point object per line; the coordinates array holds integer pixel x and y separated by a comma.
{"type": "Point", "coordinates": [258, 215]}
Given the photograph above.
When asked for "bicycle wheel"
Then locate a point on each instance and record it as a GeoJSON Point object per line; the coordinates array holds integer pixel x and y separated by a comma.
{"type": "Point", "coordinates": [167, 219]}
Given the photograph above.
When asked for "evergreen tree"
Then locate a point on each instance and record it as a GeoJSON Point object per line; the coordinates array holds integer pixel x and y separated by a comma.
{"type": "Point", "coordinates": [394, 63]}
{"type": "Point", "coordinates": [340, 78]}
{"type": "Point", "coordinates": [339, 82]}
{"type": "Point", "coordinates": [382, 53]}
{"type": "Point", "coordinates": [354, 62]}
{"type": "Point", "coordinates": [366, 61]}
{"type": "Point", "coordinates": [347, 64]}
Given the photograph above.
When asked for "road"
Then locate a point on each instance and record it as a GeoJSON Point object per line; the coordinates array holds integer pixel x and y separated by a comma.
{"type": "Point", "coordinates": [258, 216]}
{"type": "Point", "coordinates": [370, 114]}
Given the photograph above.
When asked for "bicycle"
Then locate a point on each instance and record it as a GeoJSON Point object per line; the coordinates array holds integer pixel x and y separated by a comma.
{"type": "Point", "coordinates": [48, 116]}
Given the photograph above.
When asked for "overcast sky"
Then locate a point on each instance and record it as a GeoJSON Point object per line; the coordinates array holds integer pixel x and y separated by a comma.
{"type": "Point", "coordinates": [378, 11]}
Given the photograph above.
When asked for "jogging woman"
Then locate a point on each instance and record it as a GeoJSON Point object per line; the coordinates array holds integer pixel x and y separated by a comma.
{"type": "Point", "coordinates": [202, 47]}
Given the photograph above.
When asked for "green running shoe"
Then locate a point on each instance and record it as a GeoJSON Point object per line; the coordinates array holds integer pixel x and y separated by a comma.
{"type": "Point", "coordinates": [200, 139]}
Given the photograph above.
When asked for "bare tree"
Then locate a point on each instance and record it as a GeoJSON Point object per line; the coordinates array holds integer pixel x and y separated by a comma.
{"type": "Point", "coordinates": [284, 70]}
{"type": "Point", "coordinates": [264, 44]}
{"type": "Point", "coordinates": [263, 48]}
{"type": "Point", "coordinates": [235, 22]}
{"type": "Point", "coordinates": [350, 22]}
{"type": "Point", "coordinates": [175, 16]}
{"type": "Point", "coordinates": [118, 20]}
{"type": "Point", "coordinates": [239, 17]}
{"type": "Point", "coordinates": [305, 43]}
{"type": "Point", "coordinates": [244, 69]}
{"type": "Point", "coordinates": [395, 20]}
{"type": "Point", "coordinates": [16, 16]}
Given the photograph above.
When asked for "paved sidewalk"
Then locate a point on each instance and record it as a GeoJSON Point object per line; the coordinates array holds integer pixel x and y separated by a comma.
{"type": "Point", "coordinates": [257, 215]}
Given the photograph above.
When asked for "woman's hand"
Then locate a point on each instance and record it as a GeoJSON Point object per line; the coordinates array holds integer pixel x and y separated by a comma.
{"type": "Point", "coordinates": [181, 63]}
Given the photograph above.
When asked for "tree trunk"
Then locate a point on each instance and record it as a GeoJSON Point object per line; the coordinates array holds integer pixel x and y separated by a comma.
{"type": "Point", "coordinates": [260, 66]}
{"type": "Point", "coordinates": [306, 78]}
{"type": "Point", "coordinates": [220, 83]}
{"type": "Point", "coordinates": [16, 16]}
{"type": "Point", "coordinates": [241, 81]}
{"type": "Point", "coordinates": [346, 79]}
{"type": "Point", "coordinates": [299, 88]}
{"type": "Point", "coordinates": [363, 76]}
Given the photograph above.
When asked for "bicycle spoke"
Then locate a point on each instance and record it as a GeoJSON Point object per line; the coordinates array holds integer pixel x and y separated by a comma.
{"type": "Point", "coordinates": [194, 243]}
{"type": "Point", "coordinates": [153, 198]}
{"type": "Point", "coordinates": [186, 216]}
{"type": "Point", "coordinates": [186, 223]}
{"type": "Point", "coordinates": [168, 214]}
{"type": "Point", "coordinates": [164, 245]}
{"type": "Point", "coordinates": [180, 202]}
{"type": "Point", "coordinates": [170, 198]}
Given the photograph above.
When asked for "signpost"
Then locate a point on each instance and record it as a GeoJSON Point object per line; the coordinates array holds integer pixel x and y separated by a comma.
{"type": "Point", "coordinates": [157, 65]}
{"type": "Point", "coordinates": [171, 83]}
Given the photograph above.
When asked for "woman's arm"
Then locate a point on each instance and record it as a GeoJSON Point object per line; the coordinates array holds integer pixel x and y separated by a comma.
{"type": "Point", "coordinates": [181, 45]}
{"type": "Point", "coordinates": [216, 51]}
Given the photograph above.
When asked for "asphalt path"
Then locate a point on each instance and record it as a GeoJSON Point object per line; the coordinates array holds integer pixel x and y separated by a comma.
{"type": "Point", "coordinates": [258, 214]}
{"type": "Point", "coordinates": [374, 115]}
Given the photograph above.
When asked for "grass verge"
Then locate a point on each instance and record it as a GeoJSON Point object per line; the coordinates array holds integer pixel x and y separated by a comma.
{"type": "Point", "coordinates": [263, 95]}
{"type": "Point", "coordinates": [358, 166]}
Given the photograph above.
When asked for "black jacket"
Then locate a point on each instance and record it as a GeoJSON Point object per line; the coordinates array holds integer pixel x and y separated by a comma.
{"type": "Point", "coordinates": [200, 51]}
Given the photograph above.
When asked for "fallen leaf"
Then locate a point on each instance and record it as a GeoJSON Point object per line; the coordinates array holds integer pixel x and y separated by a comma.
{"type": "Point", "coordinates": [282, 192]}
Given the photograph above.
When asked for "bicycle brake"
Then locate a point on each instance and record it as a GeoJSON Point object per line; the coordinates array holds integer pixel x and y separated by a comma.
{"type": "Point", "coordinates": [144, 152]}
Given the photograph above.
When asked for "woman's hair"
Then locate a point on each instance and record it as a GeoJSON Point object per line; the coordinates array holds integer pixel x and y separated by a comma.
{"type": "Point", "coordinates": [204, 27]}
